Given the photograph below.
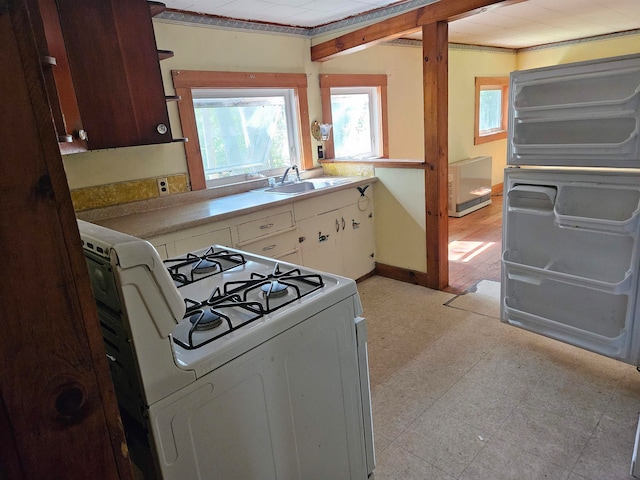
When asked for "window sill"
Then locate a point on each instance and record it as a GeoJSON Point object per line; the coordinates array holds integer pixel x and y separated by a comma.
{"type": "Point", "coordinates": [379, 162]}
{"type": "Point", "coordinates": [480, 139]}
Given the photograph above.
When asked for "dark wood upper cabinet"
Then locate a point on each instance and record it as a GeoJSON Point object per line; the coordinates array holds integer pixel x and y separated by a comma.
{"type": "Point", "coordinates": [57, 75]}
{"type": "Point", "coordinates": [114, 63]}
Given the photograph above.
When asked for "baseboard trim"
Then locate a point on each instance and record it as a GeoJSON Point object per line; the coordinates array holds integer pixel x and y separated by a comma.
{"type": "Point", "coordinates": [497, 189]}
{"type": "Point", "coordinates": [401, 274]}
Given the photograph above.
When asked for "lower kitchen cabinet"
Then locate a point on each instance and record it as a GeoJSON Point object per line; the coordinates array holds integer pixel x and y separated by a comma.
{"type": "Point", "coordinates": [341, 240]}
{"type": "Point", "coordinates": [332, 233]}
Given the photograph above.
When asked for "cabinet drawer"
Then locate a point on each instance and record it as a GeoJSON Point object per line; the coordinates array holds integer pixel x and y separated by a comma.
{"type": "Point", "coordinates": [185, 245]}
{"type": "Point", "coordinates": [264, 226]}
{"type": "Point", "coordinates": [274, 246]}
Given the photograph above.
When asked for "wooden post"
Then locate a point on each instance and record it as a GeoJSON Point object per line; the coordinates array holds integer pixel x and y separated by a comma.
{"type": "Point", "coordinates": [435, 53]}
{"type": "Point", "coordinates": [58, 413]}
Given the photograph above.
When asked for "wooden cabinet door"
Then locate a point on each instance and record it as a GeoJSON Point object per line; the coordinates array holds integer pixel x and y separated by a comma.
{"type": "Point", "coordinates": [57, 75]}
{"type": "Point", "coordinates": [114, 63]}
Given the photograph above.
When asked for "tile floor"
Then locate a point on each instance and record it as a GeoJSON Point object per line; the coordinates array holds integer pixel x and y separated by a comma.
{"type": "Point", "coordinates": [459, 395]}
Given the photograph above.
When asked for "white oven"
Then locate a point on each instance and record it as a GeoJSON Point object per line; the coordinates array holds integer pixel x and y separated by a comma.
{"type": "Point", "coordinates": [231, 365]}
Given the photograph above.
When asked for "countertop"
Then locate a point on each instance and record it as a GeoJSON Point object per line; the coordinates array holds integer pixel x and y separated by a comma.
{"type": "Point", "coordinates": [152, 219]}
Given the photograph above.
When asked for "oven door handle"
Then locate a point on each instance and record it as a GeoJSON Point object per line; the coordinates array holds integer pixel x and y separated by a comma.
{"type": "Point", "coordinates": [365, 392]}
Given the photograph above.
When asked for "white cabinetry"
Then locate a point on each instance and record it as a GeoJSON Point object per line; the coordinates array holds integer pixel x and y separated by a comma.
{"type": "Point", "coordinates": [270, 232]}
{"type": "Point", "coordinates": [336, 232]}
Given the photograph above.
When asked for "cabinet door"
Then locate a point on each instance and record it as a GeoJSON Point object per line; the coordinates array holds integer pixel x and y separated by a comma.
{"type": "Point", "coordinates": [357, 238]}
{"type": "Point", "coordinates": [116, 72]}
{"type": "Point", "coordinates": [320, 242]}
{"type": "Point", "coordinates": [58, 82]}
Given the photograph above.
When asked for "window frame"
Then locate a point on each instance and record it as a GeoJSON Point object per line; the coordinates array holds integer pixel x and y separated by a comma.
{"type": "Point", "coordinates": [377, 81]}
{"type": "Point", "coordinates": [499, 83]}
{"type": "Point", "coordinates": [184, 81]}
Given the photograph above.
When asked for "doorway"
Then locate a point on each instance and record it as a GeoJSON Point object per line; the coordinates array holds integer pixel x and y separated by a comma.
{"type": "Point", "coordinates": [475, 246]}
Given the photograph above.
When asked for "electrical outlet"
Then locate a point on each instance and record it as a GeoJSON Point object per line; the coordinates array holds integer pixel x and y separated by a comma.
{"type": "Point", "coordinates": [163, 186]}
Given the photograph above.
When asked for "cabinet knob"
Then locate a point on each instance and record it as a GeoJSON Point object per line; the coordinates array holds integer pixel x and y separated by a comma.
{"type": "Point", "coordinates": [162, 128]}
{"type": "Point", "coordinates": [82, 135]}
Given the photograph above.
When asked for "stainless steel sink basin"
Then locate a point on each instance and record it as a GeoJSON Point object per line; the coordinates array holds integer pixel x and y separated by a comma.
{"type": "Point", "coordinates": [292, 188]}
{"type": "Point", "coordinates": [307, 185]}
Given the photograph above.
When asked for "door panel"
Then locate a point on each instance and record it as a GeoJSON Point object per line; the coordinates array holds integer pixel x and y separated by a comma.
{"type": "Point", "coordinates": [570, 258]}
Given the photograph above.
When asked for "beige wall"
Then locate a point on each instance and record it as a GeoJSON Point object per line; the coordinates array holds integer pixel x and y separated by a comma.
{"type": "Point", "coordinates": [464, 65]}
{"type": "Point", "coordinates": [578, 52]}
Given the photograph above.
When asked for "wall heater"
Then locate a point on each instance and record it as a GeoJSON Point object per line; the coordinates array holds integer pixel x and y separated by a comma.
{"type": "Point", "coordinates": [469, 185]}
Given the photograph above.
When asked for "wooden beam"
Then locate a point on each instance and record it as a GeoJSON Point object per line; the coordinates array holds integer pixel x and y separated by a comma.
{"type": "Point", "coordinates": [404, 24]}
{"type": "Point", "coordinates": [435, 54]}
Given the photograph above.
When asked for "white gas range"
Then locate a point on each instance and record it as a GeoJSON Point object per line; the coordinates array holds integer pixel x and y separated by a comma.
{"type": "Point", "coordinates": [232, 365]}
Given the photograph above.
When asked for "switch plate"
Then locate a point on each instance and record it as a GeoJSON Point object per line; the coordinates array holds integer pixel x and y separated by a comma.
{"type": "Point", "coordinates": [163, 186]}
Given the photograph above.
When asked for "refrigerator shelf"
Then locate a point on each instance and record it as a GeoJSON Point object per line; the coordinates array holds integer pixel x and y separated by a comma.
{"type": "Point", "coordinates": [565, 138]}
{"type": "Point", "coordinates": [588, 94]}
{"type": "Point", "coordinates": [615, 282]}
{"type": "Point", "coordinates": [602, 208]}
{"type": "Point", "coordinates": [613, 346]}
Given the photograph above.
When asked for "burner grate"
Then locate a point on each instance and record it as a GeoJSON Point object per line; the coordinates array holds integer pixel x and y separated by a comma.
{"type": "Point", "coordinates": [273, 289]}
{"type": "Point", "coordinates": [192, 268]}
{"type": "Point", "coordinates": [221, 306]}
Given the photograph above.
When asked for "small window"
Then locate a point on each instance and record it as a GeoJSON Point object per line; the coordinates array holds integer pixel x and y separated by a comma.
{"type": "Point", "coordinates": [247, 131]}
{"type": "Point", "coordinates": [492, 97]}
{"type": "Point", "coordinates": [356, 124]}
{"type": "Point", "coordinates": [356, 107]}
{"type": "Point", "coordinates": [241, 123]}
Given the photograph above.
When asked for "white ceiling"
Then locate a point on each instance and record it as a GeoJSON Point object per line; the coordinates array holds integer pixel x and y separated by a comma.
{"type": "Point", "coordinates": [525, 24]}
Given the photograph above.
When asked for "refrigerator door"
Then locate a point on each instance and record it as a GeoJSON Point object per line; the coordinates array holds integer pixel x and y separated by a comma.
{"type": "Point", "coordinates": [570, 260]}
{"type": "Point", "coordinates": [584, 114]}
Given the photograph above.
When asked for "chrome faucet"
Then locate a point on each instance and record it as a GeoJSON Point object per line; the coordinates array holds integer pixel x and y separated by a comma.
{"type": "Point", "coordinates": [286, 172]}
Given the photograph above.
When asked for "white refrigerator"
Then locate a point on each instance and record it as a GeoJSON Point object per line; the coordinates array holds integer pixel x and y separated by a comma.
{"type": "Point", "coordinates": [571, 223]}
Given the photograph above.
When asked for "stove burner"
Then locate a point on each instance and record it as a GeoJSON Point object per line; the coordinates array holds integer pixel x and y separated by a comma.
{"type": "Point", "coordinates": [205, 320]}
{"type": "Point", "coordinates": [274, 289]}
{"type": "Point", "coordinates": [205, 265]}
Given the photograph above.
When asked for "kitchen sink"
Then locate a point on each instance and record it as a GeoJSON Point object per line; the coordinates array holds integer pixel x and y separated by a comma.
{"type": "Point", "coordinates": [307, 185]}
{"type": "Point", "coordinates": [299, 187]}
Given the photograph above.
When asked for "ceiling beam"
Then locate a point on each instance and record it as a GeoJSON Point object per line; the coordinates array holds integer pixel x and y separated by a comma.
{"type": "Point", "coordinates": [404, 24]}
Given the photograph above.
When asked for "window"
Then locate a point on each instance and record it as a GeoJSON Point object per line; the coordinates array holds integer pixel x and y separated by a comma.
{"type": "Point", "coordinates": [242, 123]}
{"type": "Point", "coordinates": [356, 107]}
{"type": "Point", "coordinates": [492, 97]}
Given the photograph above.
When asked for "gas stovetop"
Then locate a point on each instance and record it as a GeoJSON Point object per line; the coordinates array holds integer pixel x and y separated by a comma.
{"type": "Point", "coordinates": [226, 291]}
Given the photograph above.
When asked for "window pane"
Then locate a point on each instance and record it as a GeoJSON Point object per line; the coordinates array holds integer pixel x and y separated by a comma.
{"type": "Point", "coordinates": [351, 116]}
{"type": "Point", "coordinates": [490, 110]}
{"type": "Point", "coordinates": [242, 134]}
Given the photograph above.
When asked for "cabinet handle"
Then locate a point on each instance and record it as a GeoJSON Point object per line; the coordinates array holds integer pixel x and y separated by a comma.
{"type": "Point", "coordinates": [337, 225]}
{"type": "Point", "coordinates": [344, 224]}
{"type": "Point", "coordinates": [355, 224]}
{"type": "Point", "coordinates": [323, 238]}
{"type": "Point", "coordinates": [264, 227]}
{"type": "Point", "coordinates": [268, 247]}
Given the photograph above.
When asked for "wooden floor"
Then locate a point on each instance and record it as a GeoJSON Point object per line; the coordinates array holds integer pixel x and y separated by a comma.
{"type": "Point", "coordinates": [475, 245]}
